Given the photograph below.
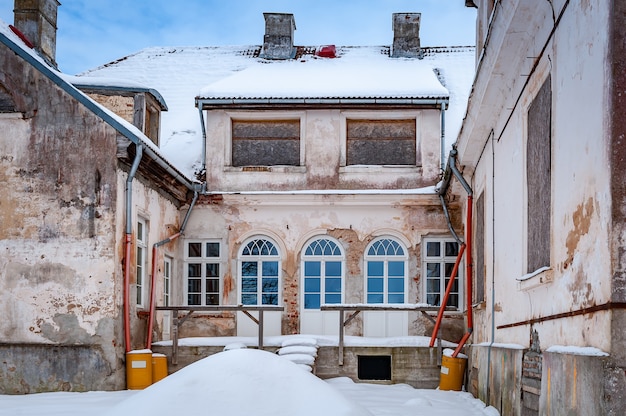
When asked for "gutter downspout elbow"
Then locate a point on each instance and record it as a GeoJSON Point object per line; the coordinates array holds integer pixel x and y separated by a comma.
{"type": "Point", "coordinates": [128, 244]}
{"type": "Point", "coordinates": [154, 269]}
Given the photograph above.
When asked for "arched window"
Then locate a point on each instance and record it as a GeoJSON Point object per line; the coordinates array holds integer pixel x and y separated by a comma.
{"type": "Point", "coordinates": [386, 272]}
{"type": "Point", "coordinates": [323, 273]}
{"type": "Point", "coordinates": [259, 269]}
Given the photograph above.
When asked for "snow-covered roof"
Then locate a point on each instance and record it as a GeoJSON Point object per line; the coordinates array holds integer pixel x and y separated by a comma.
{"type": "Point", "coordinates": [181, 74]}
{"type": "Point", "coordinates": [9, 37]}
{"type": "Point", "coordinates": [356, 73]}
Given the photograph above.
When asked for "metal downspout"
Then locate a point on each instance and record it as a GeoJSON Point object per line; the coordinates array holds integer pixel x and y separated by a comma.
{"type": "Point", "coordinates": [154, 269]}
{"type": "Point", "coordinates": [203, 166]}
{"type": "Point", "coordinates": [128, 243]}
{"type": "Point", "coordinates": [451, 169]}
{"type": "Point", "coordinates": [443, 137]}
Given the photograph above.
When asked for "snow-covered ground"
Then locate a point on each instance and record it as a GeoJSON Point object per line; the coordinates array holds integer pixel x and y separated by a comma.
{"type": "Point", "coordinates": [250, 382]}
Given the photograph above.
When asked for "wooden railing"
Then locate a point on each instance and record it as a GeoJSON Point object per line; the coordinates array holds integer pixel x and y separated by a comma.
{"type": "Point", "coordinates": [357, 308]}
{"type": "Point", "coordinates": [246, 309]}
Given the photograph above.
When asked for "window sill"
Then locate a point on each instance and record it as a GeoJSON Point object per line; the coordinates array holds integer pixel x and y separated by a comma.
{"type": "Point", "coordinates": [379, 168]}
{"type": "Point", "coordinates": [535, 279]}
{"type": "Point", "coordinates": [269, 169]}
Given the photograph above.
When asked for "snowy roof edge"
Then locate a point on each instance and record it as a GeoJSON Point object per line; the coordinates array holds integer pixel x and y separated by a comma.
{"type": "Point", "coordinates": [98, 110]}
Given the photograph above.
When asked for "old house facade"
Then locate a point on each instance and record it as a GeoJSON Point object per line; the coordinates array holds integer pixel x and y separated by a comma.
{"type": "Point", "coordinates": [314, 173]}
{"type": "Point", "coordinates": [70, 171]}
{"type": "Point", "coordinates": [542, 147]}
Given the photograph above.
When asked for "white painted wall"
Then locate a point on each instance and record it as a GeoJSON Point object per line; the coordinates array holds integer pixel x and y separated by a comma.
{"type": "Point", "coordinates": [580, 275]}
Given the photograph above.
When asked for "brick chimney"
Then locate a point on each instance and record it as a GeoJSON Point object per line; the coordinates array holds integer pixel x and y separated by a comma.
{"type": "Point", "coordinates": [406, 36]}
{"type": "Point", "coordinates": [37, 20]}
{"type": "Point", "coordinates": [278, 38]}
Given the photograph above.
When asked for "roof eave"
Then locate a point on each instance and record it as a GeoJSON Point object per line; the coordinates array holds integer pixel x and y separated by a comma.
{"type": "Point", "coordinates": [98, 110]}
{"type": "Point", "coordinates": [312, 102]}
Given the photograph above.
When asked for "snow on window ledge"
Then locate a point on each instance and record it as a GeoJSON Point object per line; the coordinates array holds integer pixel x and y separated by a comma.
{"type": "Point", "coordinates": [573, 350]}
{"type": "Point", "coordinates": [534, 279]}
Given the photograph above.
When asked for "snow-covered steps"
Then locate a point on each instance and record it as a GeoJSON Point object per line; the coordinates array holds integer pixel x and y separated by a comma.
{"type": "Point", "coordinates": [301, 351]}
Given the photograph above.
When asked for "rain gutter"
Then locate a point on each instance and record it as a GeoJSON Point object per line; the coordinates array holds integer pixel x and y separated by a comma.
{"type": "Point", "coordinates": [204, 103]}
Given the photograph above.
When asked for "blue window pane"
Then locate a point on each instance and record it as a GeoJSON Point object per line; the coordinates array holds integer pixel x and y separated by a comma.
{"type": "Point", "coordinates": [396, 268]}
{"type": "Point", "coordinates": [396, 285]}
{"type": "Point", "coordinates": [375, 284]}
{"type": "Point", "coordinates": [312, 284]}
{"type": "Point", "coordinates": [312, 268]}
{"type": "Point", "coordinates": [332, 298]}
{"type": "Point", "coordinates": [248, 299]}
{"type": "Point", "coordinates": [333, 285]}
{"type": "Point", "coordinates": [249, 268]}
{"type": "Point", "coordinates": [375, 298]}
{"type": "Point", "coordinates": [270, 285]}
{"type": "Point", "coordinates": [269, 299]}
{"type": "Point", "coordinates": [249, 285]}
{"type": "Point", "coordinates": [311, 301]}
{"type": "Point", "coordinates": [396, 298]}
{"type": "Point", "coordinates": [270, 268]}
{"type": "Point", "coordinates": [375, 268]}
{"type": "Point", "coordinates": [333, 268]}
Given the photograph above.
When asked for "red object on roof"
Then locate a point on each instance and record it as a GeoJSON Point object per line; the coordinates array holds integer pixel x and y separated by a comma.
{"type": "Point", "coordinates": [326, 51]}
{"type": "Point", "coordinates": [21, 36]}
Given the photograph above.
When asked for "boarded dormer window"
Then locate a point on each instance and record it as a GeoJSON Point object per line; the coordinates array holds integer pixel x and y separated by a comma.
{"type": "Point", "coordinates": [381, 142]}
{"type": "Point", "coordinates": [265, 143]}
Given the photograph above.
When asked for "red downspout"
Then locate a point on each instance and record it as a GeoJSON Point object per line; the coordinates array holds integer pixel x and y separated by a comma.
{"type": "Point", "coordinates": [444, 301]}
{"type": "Point", "coordinates": [128, 242]}
{"type": "Point", "coordinates": [468, 271]}
{"type": "Point", "coordinates": [152, 286]}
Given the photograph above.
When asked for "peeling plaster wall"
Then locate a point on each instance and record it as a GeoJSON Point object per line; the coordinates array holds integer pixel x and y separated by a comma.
{"type": "Point", "coordinates": [323, 153]}
{"type": "Point", "coordinates": [581, 200]}
{"type": "Point", "coordinates": [58, 265]}
{"type": "Point", "coordinates": [292, 220]}
{"type": "Point", "coordinates": [61, 233]}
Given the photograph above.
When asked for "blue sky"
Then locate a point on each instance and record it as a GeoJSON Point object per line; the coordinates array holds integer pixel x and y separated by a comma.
{"type": "Point", "coordinates": [95, 32]}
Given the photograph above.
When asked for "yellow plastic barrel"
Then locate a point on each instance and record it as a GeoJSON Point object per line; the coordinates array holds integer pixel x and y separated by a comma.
{"type": "Point", "coordinates": [138, 369]}
{"type": "Point", "coordinates": [452, 372]}
{"type": "Point", "coordinates": [159, 367]}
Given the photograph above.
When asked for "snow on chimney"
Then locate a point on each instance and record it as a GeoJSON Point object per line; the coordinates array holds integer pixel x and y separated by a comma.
{"type": "Point", "coordinates": [37, 20]}
{"type": "Point", "coordinates": [278, 38]}
{"type": "Point", "coordinates": [406, 35]}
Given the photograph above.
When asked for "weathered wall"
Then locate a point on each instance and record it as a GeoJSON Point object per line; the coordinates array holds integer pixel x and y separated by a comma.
{"type": "Point", "coordinates": [61, 238]}
{"type": "Point", "coordinates": [531, 42]}
{"type": "Point", "coordinates": [580, 275]}
{"type": "Point", "coordinates": [323, 135]}
{"type": "Point", "coordinates": [59, 265]}
{"type": "Point", "coordinates": [291, 220]}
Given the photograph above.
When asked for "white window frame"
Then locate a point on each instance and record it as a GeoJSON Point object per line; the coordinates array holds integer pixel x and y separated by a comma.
{"type": "Point", "coordinates": [141, 263]}
{"type": "Point", "coordinates": [442, 260]}
{"type": "Point", "coordinates": [203, 260]}
{"type": "Point", "coordinates": [322, 259]}
{"type": "Point", "coordinates": [167, 280]}
{"type": "Point", "coordinates": [241, 258]}
{"type": "Point", "coordinates": [386, 258]}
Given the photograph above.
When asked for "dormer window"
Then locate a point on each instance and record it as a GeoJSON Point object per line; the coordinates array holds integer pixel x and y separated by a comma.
{"type": "Point", "coordinates": [265, 143]}
{"type": "Point", "coordinates": [381, 142]}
